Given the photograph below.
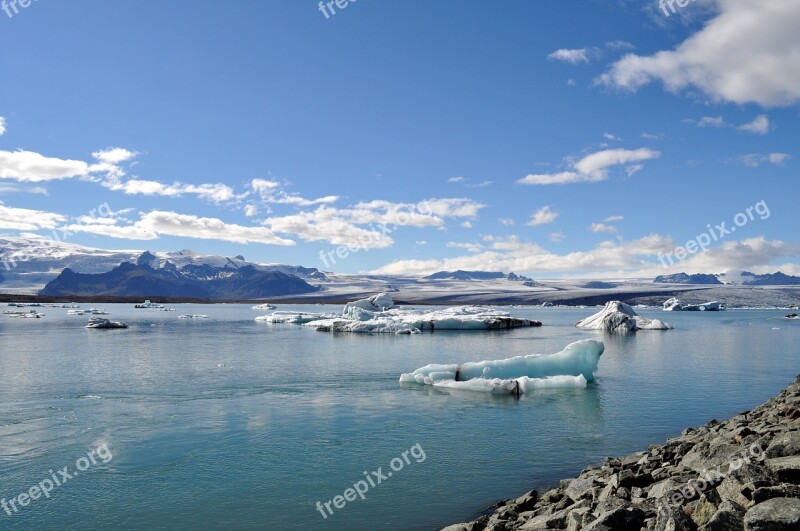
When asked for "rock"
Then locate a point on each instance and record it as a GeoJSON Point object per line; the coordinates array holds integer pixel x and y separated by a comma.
{"type": "Point", "coordinates": [776, 514]}
{"type": "Point", "coordinates": [527, 502]}
{"type": "Point", "coordinates": [673, 519]}
{"type": "Point", "coordinates": [732, 490]}
{"type": "Point", "coordinates": [729, 517]}
{"type": "Point", "coordinates": [786, 468]}
{"type": "Point", "coordinates": [579, 488]}
{"type": "Point", "coordinates": [630, 518]}
{"type": "Point", "coordinates": [703, 511]}
{"type": "Point", "coordinates": [784, 490]}
{"type": "Point", "coordinates": [784, 445]}
{"type": "Point", "coordinates": [575, 518]}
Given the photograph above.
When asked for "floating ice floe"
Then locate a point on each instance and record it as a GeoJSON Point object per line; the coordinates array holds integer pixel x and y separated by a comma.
{"type": "Point", "coordinates": [377, 315]}
{"type": "Point", "coordinates": [620, 317]}
{"type": "Point", "coordinates": [675, 305]}
{"type": "Point", "coordinates": [292, 317]}
{"type": "Point", "coordinates": [265, 306]}
{"type": "Point", "coordinates": [572, 367]}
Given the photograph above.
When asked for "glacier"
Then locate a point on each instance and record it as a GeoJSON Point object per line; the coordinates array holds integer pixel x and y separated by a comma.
{"type": "Point", "coordinates": [574, 366]}
{"type": "Point", "coordinates": [617, 316]}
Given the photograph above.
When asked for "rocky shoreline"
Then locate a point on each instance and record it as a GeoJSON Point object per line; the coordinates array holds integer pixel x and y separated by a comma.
{"type": "Point", "coordinates": [740, 474]}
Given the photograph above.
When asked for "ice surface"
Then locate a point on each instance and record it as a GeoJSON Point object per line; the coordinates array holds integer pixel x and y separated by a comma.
{"type": "Point", "coordinates": [376, 303]}
{"type": "Point", "coordinates": [572, 367]}
{"type": "Point", "coordinates": [617, 316]}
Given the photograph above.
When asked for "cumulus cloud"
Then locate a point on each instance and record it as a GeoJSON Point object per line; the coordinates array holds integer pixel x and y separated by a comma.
{"type": "Point", "coordinates": [155, 223]}
{"type": "Point", "coordinates": [543, 216]}
{"type": "Point", "coordinates": [216, 193]}
{"type": "Point", "coordinates": [602, 227]}
{"type": "Point", "coordinates": [638, 258]}
{"type": "Point", "coordinates": [271, 192]}
{"type": "Point", "coordinates": [27, 166]}
{"type": "Point", "coordinates": [754, 160]}
{"type": "Point", "coordinates": [573, 56]}
{"type": "Point", "coordinates": [758, 126]}
{"type": "Point", "coordinates": [594, 167]}
{"type": "Point", "coordinates": [747, 53]}
{"type": "Point", "coordinates": [25, 219]}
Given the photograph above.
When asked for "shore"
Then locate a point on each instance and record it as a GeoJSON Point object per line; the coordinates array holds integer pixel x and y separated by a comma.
{"type": "Point", "coordinates": [743, 473]}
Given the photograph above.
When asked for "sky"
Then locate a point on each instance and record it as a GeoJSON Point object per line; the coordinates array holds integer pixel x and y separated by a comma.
{"type": "Point", "coordinates": [556, 138]}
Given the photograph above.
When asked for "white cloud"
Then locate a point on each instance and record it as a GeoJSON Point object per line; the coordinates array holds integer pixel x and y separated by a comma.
{"type": "Point", "coordinates": [543, 216]}
{"type": "Point", "coordinates": [754, 160]}
{"type": "Point", "coordinates": [652, 136]}
{"type": "Point", "coordinates": [612, 219]}
{"type": "Point", "coordinates": [216, 193]}
{"type": "Point", "coordinates": [611, 137]}
{"type": "Point", "coordinates": [602, 227]}
{"type": "Point", "coordinates": [574, 56]}
{"type": "Point", "coordinates": [2, 126]}
{"type": "Point", "coordinates": [12, 188]}
{"type": "Point", "coordinates": [483, 184]}
{"type": "Point", "coordinates": [471, 247]}
{"type": "Point", "coordinates": [748, 53]}
{"type": "Point", "coordinates": [557, 237]}
{"type": "Point", "coordinates": [466, 224]}
{"type": "Point", "coordinates": [620, 45]}
{"type": "Point", "coordinates": [711, 121]}
{"type": "Point", "coordinates": [114, 155]}
{"type": "Point", "coordinates": [593, 168]}
{"type": "Point", "coordinates": [271, 192]}
{"type": "Point", "coordinates": [27, 166]}
{"type": "Point", "coordinates": [507, 222]}
{"type": "Point", "coordinates": [636, 258]}
{"type": "Point", "coordinates": [25, 219]}
{"type": "Point", "coordinates": [456, 180]}
{"type": "Point", "coordinates": [758, 126]}
{"type": "Point", "coordinates": [156, 223]}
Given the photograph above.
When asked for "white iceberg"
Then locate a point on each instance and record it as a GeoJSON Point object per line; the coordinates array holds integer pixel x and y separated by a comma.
{"type": "Point", "coordinates": [675, 305]}
{"type": "Point", "coordinates": [265, 306]}
{"type": "Point", "coordinates": [572, 367]}
{"type": "Point", "coordinates": [620, 317]}
{"type": "Point", "coordinates": [376, 315]}
{"type": "Point", "coordinates": [292, 317]}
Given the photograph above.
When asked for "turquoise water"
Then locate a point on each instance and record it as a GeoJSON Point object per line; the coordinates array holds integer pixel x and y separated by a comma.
{"type": "Point", "coordinates": [229, 423]}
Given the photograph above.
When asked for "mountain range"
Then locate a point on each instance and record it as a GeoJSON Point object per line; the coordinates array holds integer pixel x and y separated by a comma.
{"type": "Point", "coordinates": [741, 278]}
{"type": "Point", "coordinates": [197, 281]}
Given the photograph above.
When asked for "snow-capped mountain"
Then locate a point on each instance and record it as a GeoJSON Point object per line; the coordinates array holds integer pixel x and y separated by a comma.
{"type": "Point", "coordinates": [28, 264]}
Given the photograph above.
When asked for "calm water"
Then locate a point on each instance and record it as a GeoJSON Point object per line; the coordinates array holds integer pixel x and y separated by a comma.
{"type": "Point", "coordinates": [231, 423]}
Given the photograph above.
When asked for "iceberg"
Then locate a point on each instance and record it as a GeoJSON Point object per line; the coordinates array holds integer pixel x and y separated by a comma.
{"type": "Point", "coordinates": [377, 315]}
{"type": "Point", "coordinates": [620, 317]}
{"type": "Point", "coordinates": [572, 367]}
{"type": "Point", "coordinates": [376, 303]}
{"type": "Point", "coordinates": [675, 305]}
{"type": "Point", "coordinates": [292, 317]}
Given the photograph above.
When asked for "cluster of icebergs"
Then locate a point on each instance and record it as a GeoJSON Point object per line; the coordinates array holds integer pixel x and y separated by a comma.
{"type": "Point", "coordinates": [378, 315]}
{"type": "Point", "coordinates": [675, 305]}
{"type": "Point", "coordinates": [574, 366]}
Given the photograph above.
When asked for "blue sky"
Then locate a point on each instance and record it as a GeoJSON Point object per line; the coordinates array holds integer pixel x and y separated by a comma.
{"type": "Point", "coordinates": [555, 138]}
